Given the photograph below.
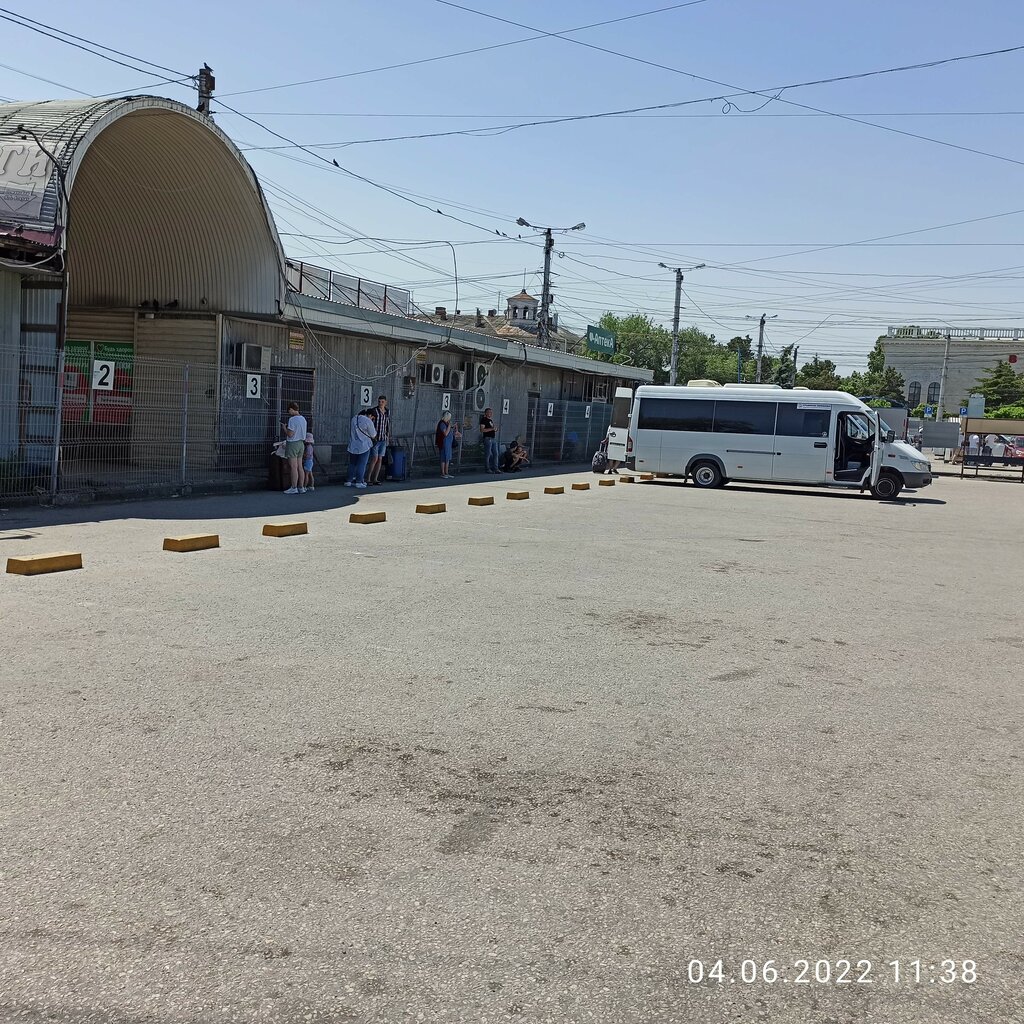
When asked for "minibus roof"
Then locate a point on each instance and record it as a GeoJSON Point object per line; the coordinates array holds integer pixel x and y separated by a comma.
{"type": "Point", "coordinates": [753, 393]}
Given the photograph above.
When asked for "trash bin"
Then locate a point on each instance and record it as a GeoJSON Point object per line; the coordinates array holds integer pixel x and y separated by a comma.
{"type": "Point", "coordinates": [397, 463]}
{"type": "Point", "coordinates": [278, 476]}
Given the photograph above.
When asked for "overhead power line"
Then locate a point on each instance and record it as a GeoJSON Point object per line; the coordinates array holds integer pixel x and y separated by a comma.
{"type": "Point", "coordinates": [90, 46]}
{"type": "Point", "coordinates": [462, 53]}
{"type": "Point", "coordinates": [775, 93]}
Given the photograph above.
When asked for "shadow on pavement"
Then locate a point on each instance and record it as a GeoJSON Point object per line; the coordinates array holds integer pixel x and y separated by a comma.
{"type": "Point", "coordinates": [249, 504]}
{"type": "Point", "coordinates": [843, 494]}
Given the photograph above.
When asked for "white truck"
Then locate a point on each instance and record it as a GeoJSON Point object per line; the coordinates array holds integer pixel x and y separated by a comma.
{"type": "Point", "coordinates": [712, 434]}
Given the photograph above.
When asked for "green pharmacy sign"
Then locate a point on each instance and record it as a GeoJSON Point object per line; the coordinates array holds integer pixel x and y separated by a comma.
{"type": "Point", "coordinates": [600, 340]}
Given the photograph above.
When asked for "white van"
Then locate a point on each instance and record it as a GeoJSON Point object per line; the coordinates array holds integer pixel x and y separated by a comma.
{"type": "Point", "coordinates": [763, 433]}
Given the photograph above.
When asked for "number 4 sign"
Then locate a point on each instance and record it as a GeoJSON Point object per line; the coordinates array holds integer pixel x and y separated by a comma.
{"type": "Point", "coordinates": [102, 375]}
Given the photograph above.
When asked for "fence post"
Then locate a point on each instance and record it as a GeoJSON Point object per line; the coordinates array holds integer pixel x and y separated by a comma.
{"type": "Point", "coordinates": [588, 419]}
{"type": "Point", "coordinates": [58, 418]}
{"type": "Point", "coordinates": [561, 444]}
{"type": "Point", "coordinates": [415, 414]}
{"type": "Point", "coordinates": [533, 428]}
{"type": "Point", "coordinates": [184, 424]}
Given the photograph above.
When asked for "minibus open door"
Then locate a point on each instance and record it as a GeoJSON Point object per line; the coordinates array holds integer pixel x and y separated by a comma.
{"type": "Point", "coordinates": [883, 436]}
{"type": "Point", "coordinates": [618, 431]}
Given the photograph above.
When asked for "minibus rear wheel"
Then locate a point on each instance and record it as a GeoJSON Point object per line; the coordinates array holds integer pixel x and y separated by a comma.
{"type": "Point", "coordinates": [706, 474]}
{"type": "Point", "coordinates": [888, 487]}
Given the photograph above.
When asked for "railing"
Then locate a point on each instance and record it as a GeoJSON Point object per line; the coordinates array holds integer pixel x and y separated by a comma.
{"type": "Point", "coordinates": [971, 333]}
{"type": "Point", "coordinates": [321, 283]}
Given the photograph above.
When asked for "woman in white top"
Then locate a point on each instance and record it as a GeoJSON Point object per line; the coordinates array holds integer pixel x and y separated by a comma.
{"type": "Point", "coordinates": [361, 437]}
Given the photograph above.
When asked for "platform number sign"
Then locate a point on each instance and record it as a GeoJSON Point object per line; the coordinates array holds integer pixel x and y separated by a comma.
{"type": "Point", "coordinates": [504, 406]}
{"type": "Point", "coordinates": [365, 395]}
{"type": "Point", "coordinates": [551, 408]}
{"type": "Point", "coordinates": [103, 375]}
{"type": "Point", "coordinates": [253, 385]}
{"type": "Point", "coordinates": [446, 401]}
{"type": "Point", "coordinates": [586, 413]}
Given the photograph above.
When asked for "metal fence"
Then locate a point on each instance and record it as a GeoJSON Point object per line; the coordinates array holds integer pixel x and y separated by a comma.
{"type": "Point", "coordinates": [122, 425]}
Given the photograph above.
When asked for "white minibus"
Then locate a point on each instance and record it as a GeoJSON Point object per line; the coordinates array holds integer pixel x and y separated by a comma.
{"type": "Point", "coordinates": [764, 433]}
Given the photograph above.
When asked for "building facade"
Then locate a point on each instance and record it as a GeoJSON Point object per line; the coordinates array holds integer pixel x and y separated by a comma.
{"type": "Point", "coordinates": [918, 354]}
{"type": "Point", "coordinates": [152, 330]}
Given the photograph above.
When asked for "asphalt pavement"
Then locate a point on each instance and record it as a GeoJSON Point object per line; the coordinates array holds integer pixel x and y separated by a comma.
{"type": "Point", "coordinates": [633, 755]}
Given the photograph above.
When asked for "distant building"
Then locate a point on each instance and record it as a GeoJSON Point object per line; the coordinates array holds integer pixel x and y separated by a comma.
{"type": "Point", "coordinates": [917, 354]}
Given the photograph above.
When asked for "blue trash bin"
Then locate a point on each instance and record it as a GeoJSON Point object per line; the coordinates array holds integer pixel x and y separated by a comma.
{"type": "Point", "coordinates": [397, 464]}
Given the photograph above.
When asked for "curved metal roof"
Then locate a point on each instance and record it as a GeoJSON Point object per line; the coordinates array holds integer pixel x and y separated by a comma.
{"type": "Point", "coordinates": [160, 204]}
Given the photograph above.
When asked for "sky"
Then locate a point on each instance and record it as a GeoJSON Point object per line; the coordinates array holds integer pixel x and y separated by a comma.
{"type": "Point", "coordinates": [834, 227]}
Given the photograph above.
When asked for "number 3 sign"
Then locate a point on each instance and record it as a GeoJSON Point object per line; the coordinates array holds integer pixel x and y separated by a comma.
{"type": "Point", "coordinates": [253, 385]}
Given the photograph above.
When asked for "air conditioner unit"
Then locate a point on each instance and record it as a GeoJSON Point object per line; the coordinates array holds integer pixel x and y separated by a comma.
{"type": "Point", "coordinates": [255, 358]}
{"type": "Point", "coordinates": [479, 399]}
{"type": "Point", "coordinates": [478, 373]}
{"type": "Point", "coordinates": [435, 373]}
{"type": "Point", "coordinates": [457, 380]}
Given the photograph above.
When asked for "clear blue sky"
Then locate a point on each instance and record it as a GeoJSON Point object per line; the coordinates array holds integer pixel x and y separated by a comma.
{"type": "Point", "coordinates": [694, 185]}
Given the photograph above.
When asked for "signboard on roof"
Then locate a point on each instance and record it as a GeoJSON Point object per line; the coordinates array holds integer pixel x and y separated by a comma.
{"type": "Point", "coordinates": [24, 172]}
{"type": "Point", "coordinates": [600, 340]}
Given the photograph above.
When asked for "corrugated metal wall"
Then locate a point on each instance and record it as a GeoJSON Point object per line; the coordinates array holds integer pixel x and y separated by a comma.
{"type": "Point", "coordinates": [101, 325]}
{"type": "Point", "coordinates": [162, 210]}
{"type": "Point", "coordinates": [163, 346]}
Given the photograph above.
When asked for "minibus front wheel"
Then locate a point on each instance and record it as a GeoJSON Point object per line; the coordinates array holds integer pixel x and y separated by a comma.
{"type": "Point", "coordinates": [707, 475]}
{"type": "Point", "coordinates": [888, 487]}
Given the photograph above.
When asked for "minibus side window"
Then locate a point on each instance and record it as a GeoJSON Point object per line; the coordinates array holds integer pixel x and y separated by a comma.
{"type": "Point", "coordinates": [692, 414]}
{"type": "Point", "coordinates": [796, 422]}
{"type": "Point", "coordinates": [745, 418]}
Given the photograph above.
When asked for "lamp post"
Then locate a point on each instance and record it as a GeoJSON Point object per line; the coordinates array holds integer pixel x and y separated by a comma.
{"type": "Point", "coordinates": [549, 244]}
{"type": "Point", "coordinates": [679, 271]}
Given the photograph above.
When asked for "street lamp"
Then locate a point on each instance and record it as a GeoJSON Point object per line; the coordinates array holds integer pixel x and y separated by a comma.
{"type": "Point", "coordinates": [679, 271]}
{"type": "Point", "coordinates": [549, 244]}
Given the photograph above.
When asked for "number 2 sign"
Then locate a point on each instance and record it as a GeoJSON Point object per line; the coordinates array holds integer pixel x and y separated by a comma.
{"type": "Point", "coordinates": [102, 375]}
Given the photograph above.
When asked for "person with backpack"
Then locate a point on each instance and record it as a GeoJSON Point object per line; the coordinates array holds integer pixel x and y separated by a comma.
{"type": "Point", "coordinates": [445, 436]}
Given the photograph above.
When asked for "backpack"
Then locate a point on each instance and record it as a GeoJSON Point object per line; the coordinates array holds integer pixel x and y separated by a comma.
{"type": "Point", "coordinates": [600, 461]}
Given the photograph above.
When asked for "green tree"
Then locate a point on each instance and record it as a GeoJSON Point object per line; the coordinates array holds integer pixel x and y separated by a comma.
{"type": "Point", "coordinates": [742, 345]}
{"type": "Point", "coordinates": [783, 368]}
{"type": "Point", "coordinates": [819, 375]}
{"type": "Point", "coordinates": [639, 341]}
{"type": "Point", "coordinates": [1001, 386]}
{"type": "Point", "coordinates": [876, 358]}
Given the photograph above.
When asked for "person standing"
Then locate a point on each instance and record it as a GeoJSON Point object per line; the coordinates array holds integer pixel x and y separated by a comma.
{"type": "Point", "coordinates": [308, 483]}
{"type": "Point", "coordinates": [360, 441]}
{"type": "Point", "coordinates": [295, 430]}
{"type": "Point", "coordinates": [489, 432]}
{"type": "Point", "coordinates": [381, 417]}
{"type": "Point", "coordinates": [445, 436]}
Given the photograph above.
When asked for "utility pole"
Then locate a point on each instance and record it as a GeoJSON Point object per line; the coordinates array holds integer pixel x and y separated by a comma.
{"type": "Point", "coordinates": [760, 341]}
{"type": "Point", "coordinates": [760, 347]}
{"type": "Point", "coordinates": [206, 83]}
{"type": "Point", "coordinates": [792, 376]}
{"type": "Point", "coordinates": [942, 380]}
{"type": "Point", "coordinates": [675, 329]}
{"type": "Point", "coordinates": [673, 365]}
{"type": "Point", "coordinates": [542, 327]}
